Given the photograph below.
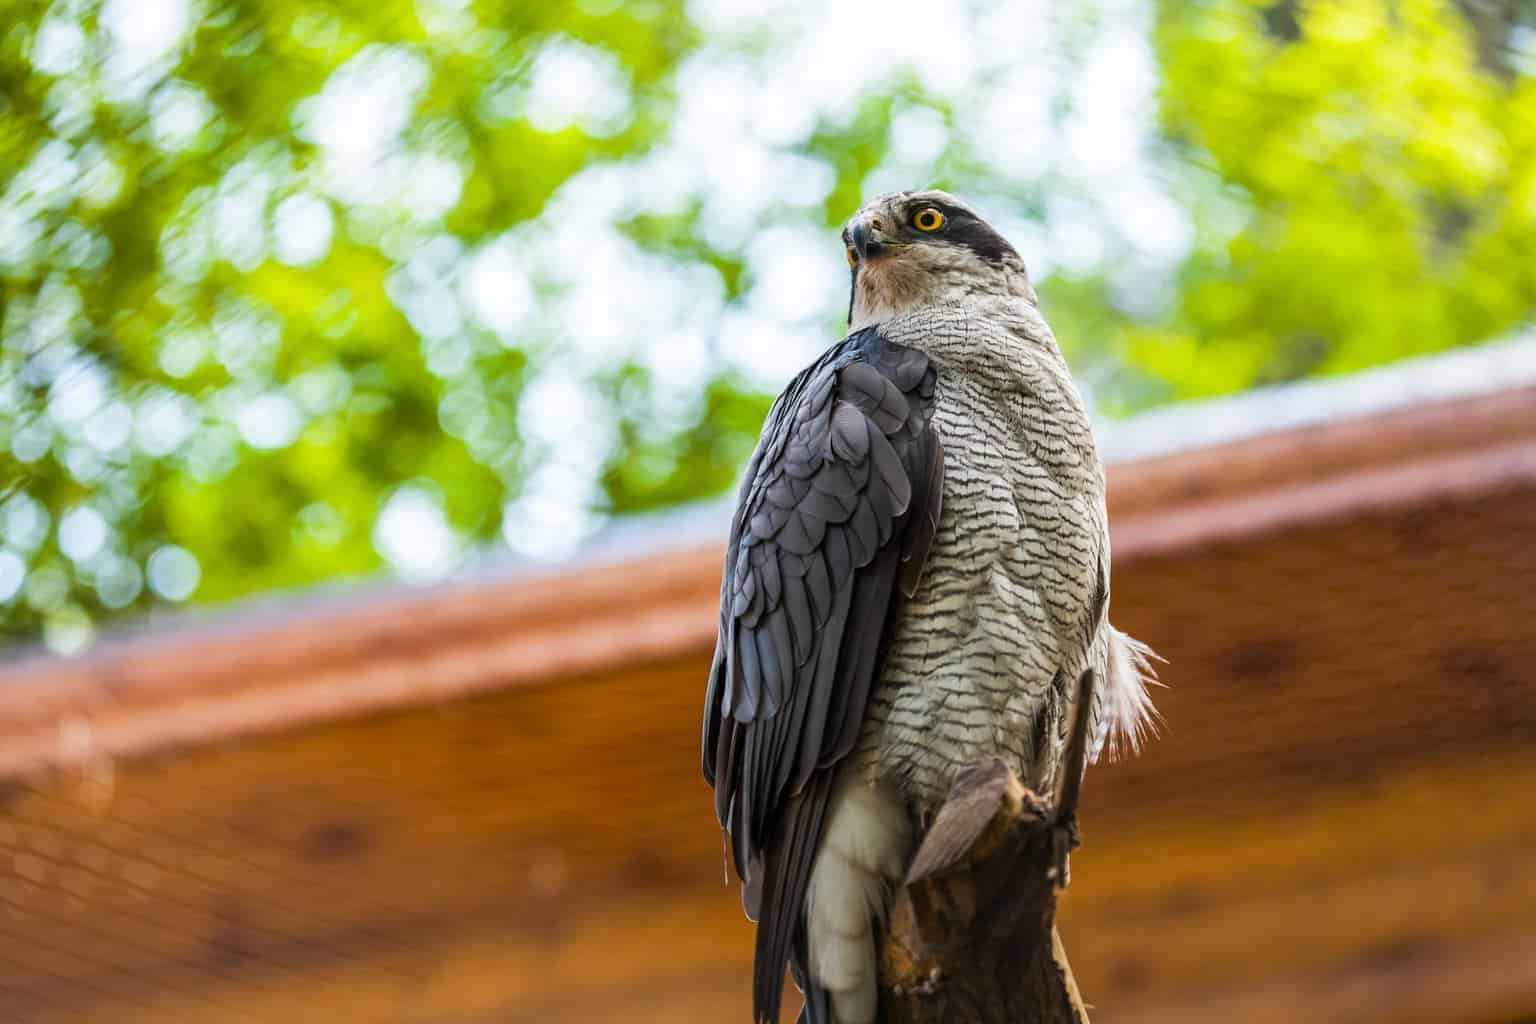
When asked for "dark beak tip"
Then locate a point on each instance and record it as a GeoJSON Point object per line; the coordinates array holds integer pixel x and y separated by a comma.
{"type": "Point", "coordinates": [860, 237]}
{"type": "Point", "coordinates": [863, 243]}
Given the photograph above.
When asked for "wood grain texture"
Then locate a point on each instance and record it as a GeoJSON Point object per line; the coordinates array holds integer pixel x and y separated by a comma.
{"type": "Point", "coordinates": [258, 671]}
{"type": "Point", "coordinates": [1338, 448]}
{"type": "Point", "coordinates": [972, 933]}
{"type": "Point", "coordinates": [1337, 823]}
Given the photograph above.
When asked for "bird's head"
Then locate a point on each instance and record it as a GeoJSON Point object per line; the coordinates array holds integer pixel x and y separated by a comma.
{"type": "Point", "coordinates": [910, 249]}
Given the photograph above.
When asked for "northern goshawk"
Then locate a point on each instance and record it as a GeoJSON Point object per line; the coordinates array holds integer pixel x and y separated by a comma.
{"type": "Point", "coordinates": [917, 576]}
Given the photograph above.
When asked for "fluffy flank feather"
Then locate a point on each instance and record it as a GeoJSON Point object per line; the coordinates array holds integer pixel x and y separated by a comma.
{"type": "Point", "coordinates": [1129, 717]}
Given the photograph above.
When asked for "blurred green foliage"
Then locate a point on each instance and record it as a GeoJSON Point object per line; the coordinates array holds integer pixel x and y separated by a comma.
{"type": "Point", "coordinates": [132, 338]}
{"type": "Point", "coordinates": [1380, 161]}
{"type": "Point", "coordinates": [195, 405]}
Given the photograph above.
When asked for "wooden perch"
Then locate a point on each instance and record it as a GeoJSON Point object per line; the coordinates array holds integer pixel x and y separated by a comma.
{"type": "Point", "coordinates": [972, 934]}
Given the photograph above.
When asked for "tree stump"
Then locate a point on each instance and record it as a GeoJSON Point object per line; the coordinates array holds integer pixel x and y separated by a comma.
{"type": "Point", "coordinates": [972, 934]}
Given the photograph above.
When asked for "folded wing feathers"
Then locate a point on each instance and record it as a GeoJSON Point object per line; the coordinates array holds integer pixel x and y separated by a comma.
{"type": "Point", "coordinates": [822, 544]}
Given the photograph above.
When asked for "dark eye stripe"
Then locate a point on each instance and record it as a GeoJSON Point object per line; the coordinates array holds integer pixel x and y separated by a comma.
{"type": "Point", "coordinates": [965, 228]}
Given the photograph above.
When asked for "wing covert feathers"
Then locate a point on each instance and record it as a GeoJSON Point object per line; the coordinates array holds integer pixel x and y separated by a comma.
{"type": "Point", "coordinates": [833, 524]}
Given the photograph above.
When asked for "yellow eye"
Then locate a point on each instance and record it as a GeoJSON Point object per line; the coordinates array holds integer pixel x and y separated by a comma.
{"type": "Point", "coordinates": [853, 259]}
{"type": "Point", "coordinates": [928, 219]}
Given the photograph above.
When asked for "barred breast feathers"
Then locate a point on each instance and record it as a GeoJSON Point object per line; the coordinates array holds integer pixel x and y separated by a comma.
{"type": "Point", "coordinates": [1007, 345]}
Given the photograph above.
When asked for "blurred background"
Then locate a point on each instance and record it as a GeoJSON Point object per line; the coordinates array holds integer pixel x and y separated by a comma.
{"type": "Point", "coordinates": [458, 317]}
{"type": "Point", "coordinates": [295, 291]}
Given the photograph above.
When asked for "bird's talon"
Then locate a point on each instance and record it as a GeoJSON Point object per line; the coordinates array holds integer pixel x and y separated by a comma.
{"type": "Point", "coordinates": [1064, 840]}
{"type": "Point", "coordinates": [929, 985]}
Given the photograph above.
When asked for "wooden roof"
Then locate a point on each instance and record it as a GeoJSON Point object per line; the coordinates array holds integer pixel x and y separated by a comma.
{"type": "Point", "coordinates": [482, 802]}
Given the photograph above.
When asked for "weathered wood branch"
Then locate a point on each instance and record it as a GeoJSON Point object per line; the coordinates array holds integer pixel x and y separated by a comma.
{"type": "Point", "coordinates": [972, 933]}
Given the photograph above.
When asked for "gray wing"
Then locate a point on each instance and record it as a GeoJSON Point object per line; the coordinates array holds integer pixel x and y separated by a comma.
{"type": "Point", "coordinates": [833, 524]}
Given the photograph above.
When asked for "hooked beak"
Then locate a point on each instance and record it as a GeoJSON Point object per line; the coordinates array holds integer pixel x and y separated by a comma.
{"type": "Point", "coordinates": [867, 238]}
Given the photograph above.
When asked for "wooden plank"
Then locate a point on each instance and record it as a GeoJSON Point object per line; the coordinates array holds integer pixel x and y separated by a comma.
{"type": "Point", "coordinates": [1341, 448]}
{"type": "Point", "coordinates": [201, 688]}
{"type": "Point", "coordinates": [1407, 984]}
{"type": "Point", "coordinates": [1344, 794]}
{"type": "Point", "coordinates": [1228, 929]}
{"type": "Point", "coordinates": [261, 672]}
